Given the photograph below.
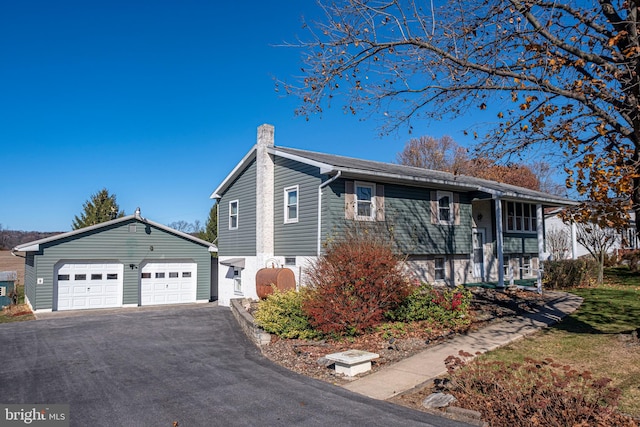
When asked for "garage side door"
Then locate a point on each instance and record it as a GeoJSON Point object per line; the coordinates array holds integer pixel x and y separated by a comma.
{"type": "Point", "coordinates": [88, 285]}
{"type": "Point", "coordinates": [168, 283]}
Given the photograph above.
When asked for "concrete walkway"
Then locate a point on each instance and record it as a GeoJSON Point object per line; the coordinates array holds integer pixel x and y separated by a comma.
{"type": "Point", "coordinates": [429, 364]}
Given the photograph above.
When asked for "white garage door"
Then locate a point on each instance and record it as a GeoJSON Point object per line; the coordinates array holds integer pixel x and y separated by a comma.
{"type": "Point", "coordinates": [168, 283]}
{"type": "Point", "coordinates": [89, 285]}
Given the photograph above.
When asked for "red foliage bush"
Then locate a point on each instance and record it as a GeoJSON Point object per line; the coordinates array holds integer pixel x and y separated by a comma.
{"type": "Point", "coordinates": [353, 284]}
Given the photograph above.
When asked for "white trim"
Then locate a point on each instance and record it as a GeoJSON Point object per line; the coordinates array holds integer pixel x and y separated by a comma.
{"type": "Point", "coordinates": [440, 195]}
{"type": "Point", "coordinates": [325, 168]}
{"type": "Point", "coordinates": [237, 214]}
{"type": "Point", "coordinates": [372, 186]}
{"type": "Point", "coordinates": [287, 190]}
{"type": "Point", "coordinates": [130, 305]}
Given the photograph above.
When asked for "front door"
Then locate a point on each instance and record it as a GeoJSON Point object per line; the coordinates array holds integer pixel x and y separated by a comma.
{"type": "Point", "coordinates": [478, 253]}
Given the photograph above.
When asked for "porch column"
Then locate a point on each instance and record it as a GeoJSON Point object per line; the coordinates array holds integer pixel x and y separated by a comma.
{"type": "Point", "coordinates": [574, 241]}
{"type": "Point", "coordinates": [540, 228]}
{"type": "Point", "coordinates": [499, 240]}
{"type": "Point", "coordinates": [541, 248]}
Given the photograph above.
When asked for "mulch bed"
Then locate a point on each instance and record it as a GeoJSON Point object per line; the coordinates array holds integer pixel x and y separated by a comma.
{"type": "Point", "coordinates": [393, 345]}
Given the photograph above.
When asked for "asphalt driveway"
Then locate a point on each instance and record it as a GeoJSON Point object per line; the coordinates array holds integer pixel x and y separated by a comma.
{"type": "Point", "coordinates": [191, 364]}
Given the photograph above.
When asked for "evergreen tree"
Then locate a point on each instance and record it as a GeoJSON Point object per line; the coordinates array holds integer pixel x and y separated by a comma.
{"type": "Point", "coordinates": [100, 208]}
{"type": "Point", "coordinates": [210, 232]}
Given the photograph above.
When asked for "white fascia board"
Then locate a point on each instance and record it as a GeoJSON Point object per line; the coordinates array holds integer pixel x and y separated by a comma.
{"type": "Point", "coordinates": [325, 168]}
{"type": "Point", "coordinates": [234, 173]}
{"type": "Point", "coordinates": [27, 248]}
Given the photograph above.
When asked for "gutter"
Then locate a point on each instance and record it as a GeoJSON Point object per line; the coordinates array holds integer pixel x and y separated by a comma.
{"type": "Point", "coordinates": [16, 255]}
{"type": "Point", "coordinates": [320, 187]}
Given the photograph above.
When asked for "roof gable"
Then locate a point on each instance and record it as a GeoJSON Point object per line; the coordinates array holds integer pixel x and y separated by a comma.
{"type": "Point", "coordinates": [35, 245]}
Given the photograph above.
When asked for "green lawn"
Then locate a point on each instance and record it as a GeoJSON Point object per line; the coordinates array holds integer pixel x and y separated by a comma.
{"type": "Point", "coordinates": [595, 337]}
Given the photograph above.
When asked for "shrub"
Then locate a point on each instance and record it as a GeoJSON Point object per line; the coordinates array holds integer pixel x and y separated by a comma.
{"type": "Point", "coordinates": [447, 306]}
{"type": "Point", "coordinates": [281, 314]}
{"type": "Point", "coordinates": [535, 393]}
{"type": "Point", "coordinates": [632, 258]}
{"type": "Point", "coordinates": [567, 273]}
{"type": "Point", "coordinates": [353, 284]}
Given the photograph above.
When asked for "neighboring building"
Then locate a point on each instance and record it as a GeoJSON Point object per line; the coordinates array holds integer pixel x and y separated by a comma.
{"type": "Point", "coordinates": [128, 261]}
{"type": "Point", "coordinates": [626, 239]}
{"type": "Point", "coordinates": [279, 206]}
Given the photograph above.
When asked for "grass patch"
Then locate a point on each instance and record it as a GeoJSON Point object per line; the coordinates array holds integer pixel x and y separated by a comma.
{"type": "Point", "coordinates": [595, 338]}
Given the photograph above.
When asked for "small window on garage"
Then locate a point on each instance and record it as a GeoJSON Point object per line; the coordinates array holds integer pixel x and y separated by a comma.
{"type": "Point", "coordinates": [63, 277]}
{"type": "Point", "coordinates": [132, 228]}
{"type": "Point", "coordinates": [160, 275]}
{"type": "Point", "coordinates": [112, 276]}
{"type": "Point", "coordinates": [80, 277]}
{"type": "Point", "coordinates": [146, 275]}
{"type": "Point", "coordinates": [96, 277]}
{"type": "Point", "coordinates": [186, 274]}
{"type": "Point", "coordinates": [173, 275]}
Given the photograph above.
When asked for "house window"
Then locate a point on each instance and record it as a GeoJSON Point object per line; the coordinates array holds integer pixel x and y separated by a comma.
{"type": "Point", "coordinates": [290, 260]}
{"type": "Point", "coordinates": [526, 265]}
{"type": "Point", "coordinates": [233, 215]}
{"type": "Point", "coordinates": [440, 273]}
{"type": "Point", "coordinates": [237, 281]}
{"type": "Point", "coordinates": [445, 207]}
{"type": "Point", "coordinates": [521, 217]}
{"type": "Point", "coordinates": [506, 261]}
{"type": "Point", "coordinates": [291, 204]}
{"type": "Point", "coordinates": [364, 201]}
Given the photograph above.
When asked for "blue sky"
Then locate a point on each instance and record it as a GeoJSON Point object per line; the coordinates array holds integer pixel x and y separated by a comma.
{"type": "Point", "coordinates": [156, 101]}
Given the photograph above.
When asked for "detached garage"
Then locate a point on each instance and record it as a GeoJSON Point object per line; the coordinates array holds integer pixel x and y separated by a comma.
{"type": "Point", "coordinates": [129, 261]}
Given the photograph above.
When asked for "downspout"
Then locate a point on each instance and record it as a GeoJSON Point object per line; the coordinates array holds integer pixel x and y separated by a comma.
{"type": "Point", "coordinates": [324, 184]}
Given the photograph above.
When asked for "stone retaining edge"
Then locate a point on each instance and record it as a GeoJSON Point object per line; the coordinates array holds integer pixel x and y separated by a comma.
{"type": "Point", "coordinates": [256, 334]}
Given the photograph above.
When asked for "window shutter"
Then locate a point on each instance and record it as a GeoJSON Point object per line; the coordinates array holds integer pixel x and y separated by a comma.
{"type": "Point", "coordinates": [456, 209]}
{"type": "Point", "coordinates": [434, 207]}
{"type": "Point", "coordinates": [379, 202]}
{"type": "Point", "coordinates": [349, 200]}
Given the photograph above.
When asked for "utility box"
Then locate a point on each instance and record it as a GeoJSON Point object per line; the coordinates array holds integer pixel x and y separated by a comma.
{"type": "Point", "coordinates": [7, 287]}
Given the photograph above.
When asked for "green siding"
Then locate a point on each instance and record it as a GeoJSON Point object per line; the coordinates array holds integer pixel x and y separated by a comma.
{"type": "Point", "coordinates": [116, 243]}
{"type": "Point", "coordinates": [241, 241]}
{"type": "Point", "coordinates": [520, 244]}
{"type": "Point", "coordinates": [407, 219]}
{"type": "Point", "coordinates": [30, 277]}
{"type": "Point", "coordinates": [298, 238]}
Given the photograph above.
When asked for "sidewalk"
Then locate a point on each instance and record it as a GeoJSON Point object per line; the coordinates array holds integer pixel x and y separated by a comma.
{"type": "Point", "coordinates": [429, 364]}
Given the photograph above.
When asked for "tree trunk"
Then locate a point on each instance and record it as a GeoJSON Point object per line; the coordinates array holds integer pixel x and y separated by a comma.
{"type": "Point", "coordinates": [601, 267]}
